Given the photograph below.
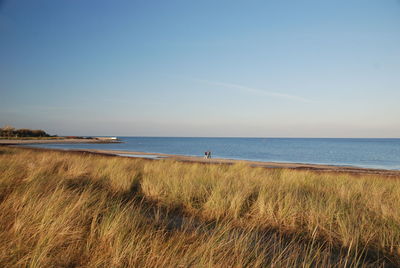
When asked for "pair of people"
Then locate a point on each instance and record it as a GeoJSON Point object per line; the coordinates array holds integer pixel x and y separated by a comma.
{"type": "Point", "coordinates": [207, 155]}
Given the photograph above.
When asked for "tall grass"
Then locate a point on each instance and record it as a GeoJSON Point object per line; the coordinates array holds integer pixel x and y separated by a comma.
{"type": "Point", "coordinates": [76, 210]}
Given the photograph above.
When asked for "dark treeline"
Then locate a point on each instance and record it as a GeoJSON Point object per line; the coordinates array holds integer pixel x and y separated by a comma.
{"type": "Point", "coordinates": [9, 131]}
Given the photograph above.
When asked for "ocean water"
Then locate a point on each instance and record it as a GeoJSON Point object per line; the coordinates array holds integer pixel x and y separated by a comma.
{"type": "Point", "coordinates": [369, 153]}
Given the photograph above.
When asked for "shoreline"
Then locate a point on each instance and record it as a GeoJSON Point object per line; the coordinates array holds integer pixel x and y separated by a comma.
{"type": "Point", "coordinates": [201, 160]}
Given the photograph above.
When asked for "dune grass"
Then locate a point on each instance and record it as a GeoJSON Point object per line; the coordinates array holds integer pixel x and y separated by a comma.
{"type": "Point", "coordinates": [64, 209]}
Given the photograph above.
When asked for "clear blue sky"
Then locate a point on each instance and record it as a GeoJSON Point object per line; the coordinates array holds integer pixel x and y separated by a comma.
{"type": "Point", "coordinates": [202, 68]}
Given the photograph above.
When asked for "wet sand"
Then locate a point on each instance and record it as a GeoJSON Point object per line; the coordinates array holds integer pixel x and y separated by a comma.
{"type": "Point", "coordinates": [195, 159]}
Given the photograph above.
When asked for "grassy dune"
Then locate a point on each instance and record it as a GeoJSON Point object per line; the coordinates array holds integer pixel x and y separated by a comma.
{"type": "Point", "coordinates": [72, 210]}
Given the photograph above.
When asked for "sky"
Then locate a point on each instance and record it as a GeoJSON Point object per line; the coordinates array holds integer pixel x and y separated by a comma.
{"type": "Point", "coordinates": [201, 68]}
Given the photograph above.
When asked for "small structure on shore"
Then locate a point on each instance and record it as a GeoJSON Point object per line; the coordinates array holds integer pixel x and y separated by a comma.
{"type": "Point", "coordinates": [107, 138]}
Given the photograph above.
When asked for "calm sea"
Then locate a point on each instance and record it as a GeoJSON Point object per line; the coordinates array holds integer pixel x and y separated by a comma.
{"type": "Point", "coordinates": [371, 153]}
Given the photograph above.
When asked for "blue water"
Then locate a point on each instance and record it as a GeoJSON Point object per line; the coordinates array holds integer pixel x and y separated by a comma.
{"type": "Point", "coordinates": [370, 153]}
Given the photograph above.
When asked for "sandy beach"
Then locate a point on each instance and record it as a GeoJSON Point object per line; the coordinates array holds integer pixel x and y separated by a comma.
{"type": "Point", "coordinates": [195, 159]}
{"type": "Point", "coordinates": [299, 166]}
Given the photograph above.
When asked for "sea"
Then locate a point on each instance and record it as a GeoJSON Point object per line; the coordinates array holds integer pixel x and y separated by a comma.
{"type": "Point", "coordinates": [367, 153]}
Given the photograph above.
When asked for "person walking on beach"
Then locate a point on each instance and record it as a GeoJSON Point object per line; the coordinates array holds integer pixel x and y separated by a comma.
{"type": "Point", "coordinates": [209, 154]}
{"type": "Point", "coordinates": [205, 155]}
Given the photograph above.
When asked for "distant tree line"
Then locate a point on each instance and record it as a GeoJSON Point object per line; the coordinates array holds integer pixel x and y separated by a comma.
{"type": "Point", "coordinates": [9, 131]}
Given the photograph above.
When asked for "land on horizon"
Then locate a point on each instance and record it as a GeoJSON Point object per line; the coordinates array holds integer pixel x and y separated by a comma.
{"type": "Point", "coordinates": [11, 136]}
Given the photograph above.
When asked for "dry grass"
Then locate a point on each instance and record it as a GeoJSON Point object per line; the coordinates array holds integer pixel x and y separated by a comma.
{"type": "Point", "coordinates": [63, 209]}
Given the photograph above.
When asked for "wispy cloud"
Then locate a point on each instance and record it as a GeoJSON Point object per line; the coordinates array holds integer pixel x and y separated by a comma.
{"type": "Point", "coordinates": [256, 91]}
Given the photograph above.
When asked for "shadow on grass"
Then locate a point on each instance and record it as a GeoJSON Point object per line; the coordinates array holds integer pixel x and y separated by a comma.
{"type": "Point", "coordinates": [262, 239]}
{"type": "Point", "coordinates": [6, 151]}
